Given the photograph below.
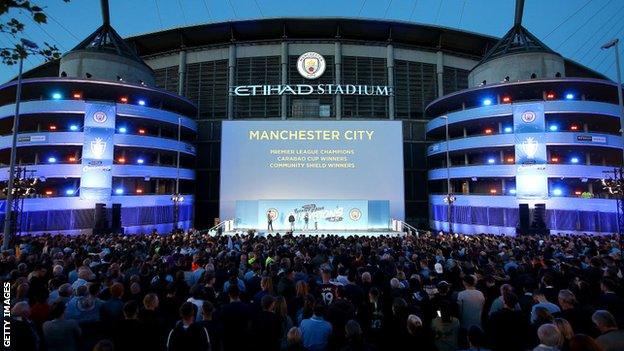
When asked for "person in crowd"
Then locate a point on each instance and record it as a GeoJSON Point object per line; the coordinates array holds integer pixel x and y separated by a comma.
{"type": "Point", "coordinates": [188, 335]}
{"type": "Point", "coordinates": [60, 333]}
{"type": "Point", "coordinates": [400, 290]}
{"type": "Point", "coordinates": [153, 322]}
{"type": "Point", "coordinates": [315, 331]}
{"type": "Point", "coordinates": [578, 316]}
{"type": "Point", "coordinates": [507, 327]}
{"type": "Point", "coordinates": [497, 304]}
{"type": "Point", "coordinates": [355, 338]}
{"type": "Point", "coordinates": [104, 345]}
{"type": "Point", "coordinates": [327, 290]}
{"type": "Point", "coordinates": [196, 299]}
{"type": "Point", "coordinates": [129, 334]}
{"type": "Point", "coordinates": [542, 302]}
{"type": "Point", "coordinates": [609, 300]}
{"type": "Point", "coordinates": [294, 340]}
{"type": "Point", "coordinates": [470, 302]}
{"type": "Point", "coordinates": [23, 330]}
{"type": "Point", "coordinates": [550, 338]}
{"type": "Point", "coordinates": [83, 307]}
{"type": "Point", "coordinates": [476, 339]}
{"type": "Point", "coordinates": [112, 310]}
{"type": "Point", "coordinates": [235, 317]}
{"type": "Point", "coordinates": [214, 327]}
{"type": "Point", "coordinates": [582, 342]}
{"type": "Point", "coordinates": [266, 288]}
{"type": "Point", "coordinates": [267, 326]}
{"type": "Point", "coordinates": [281, 309]}
{"type": "Point", "coordinates": [611, 338]}
{"type": "Point", "coordinates": [445, 329]}
{"type": "Point", "coordinates": [417, 334]}
{"type": "Point", "coordinates": [566, 332]}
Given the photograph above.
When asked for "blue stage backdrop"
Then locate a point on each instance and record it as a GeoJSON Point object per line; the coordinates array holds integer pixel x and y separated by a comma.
{"type": "Point", "coordinates": [530, 141]}
{"type": "Point", "coordinates": [322, 214]}
{"type": "Point", "coordinates": [97, 152]}
{"type": "Point", "coordinates": [333, 163]}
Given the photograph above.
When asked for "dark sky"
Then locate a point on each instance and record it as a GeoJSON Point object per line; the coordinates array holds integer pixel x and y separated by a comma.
{"type": "Point", "coordinates": [574, 28]}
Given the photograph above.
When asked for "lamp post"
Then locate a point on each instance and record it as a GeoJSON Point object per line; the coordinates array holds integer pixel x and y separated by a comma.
{"type": "Point", "coordinates": [450, 198]}
{"type": "Point", "coordinates": [9, 217]}
{"type": "Point", "coordinates": [618, 178]}
{"type": "Point", "coordinates": [615, 44]}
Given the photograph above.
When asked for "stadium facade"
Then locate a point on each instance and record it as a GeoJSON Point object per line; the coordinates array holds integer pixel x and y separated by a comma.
{"type": "Point", "coordinates": [526, 147]}
{"type": "Point", "coordinates": [243, 70]}
{"type": "Point", "coordinates": [97, 133]}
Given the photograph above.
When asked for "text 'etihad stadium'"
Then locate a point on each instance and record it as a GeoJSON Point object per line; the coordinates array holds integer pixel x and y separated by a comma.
{"type": "Point", "coordinates": [307, 89]}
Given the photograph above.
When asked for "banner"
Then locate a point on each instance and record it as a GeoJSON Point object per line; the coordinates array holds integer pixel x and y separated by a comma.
{"type": "Point", "coordinates": [97, 152]}
{"type": "Point", "coordinates": [530, 151]}
{"type": "Point", "coordinates": [321, 214]}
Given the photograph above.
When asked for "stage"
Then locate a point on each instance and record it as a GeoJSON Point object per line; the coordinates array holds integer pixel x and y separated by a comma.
{"type": "Point", "coordinates": [342, 233]}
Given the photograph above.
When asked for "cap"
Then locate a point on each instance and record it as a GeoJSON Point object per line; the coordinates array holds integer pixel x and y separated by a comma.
{"type": "Point", "coordinates": [438, 268]}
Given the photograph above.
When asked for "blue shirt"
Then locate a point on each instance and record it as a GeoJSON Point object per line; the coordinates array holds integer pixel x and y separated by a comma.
{"type": "Point", "coordinates": [315, 333]}
{"type": "Point", "coordinates": [551, 307]}
{"type": "Point", "coordinates": [241, 286]}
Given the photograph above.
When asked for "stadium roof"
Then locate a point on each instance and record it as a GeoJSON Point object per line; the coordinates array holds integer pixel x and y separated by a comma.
{"type": "Point", "coordinates": [408, 33]}
{"type": "Point", "coordinates": [427, 37]}
{"type": "Point", "coordinates": [517, 40]}
{"type": "Point", "coordinates": [106, 39]}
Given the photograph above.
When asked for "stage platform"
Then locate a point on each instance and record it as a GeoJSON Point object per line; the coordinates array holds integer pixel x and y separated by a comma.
{"type": "Point", "coordinates": [343, 233]}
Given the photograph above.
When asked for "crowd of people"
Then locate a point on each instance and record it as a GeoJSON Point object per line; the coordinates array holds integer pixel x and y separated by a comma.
{"type": "Point", "coordinates": [193, 291]}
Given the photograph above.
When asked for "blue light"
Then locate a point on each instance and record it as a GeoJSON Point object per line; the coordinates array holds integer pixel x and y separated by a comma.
{"type": "Point", "coordinates": [569, 96]}
{"type": "Point", "coordinates": [553, 127]}
{"type": "Point", "coordinates": [141, 102]}
{"type": "Point", "coordinates": [57, 96]}
{"type": "Point", "coordinates": [508, 129]}
{"type": "Point", "coordinates": [487, 102]}
{"type": "Point", "coordinates": [123, 130]}
{"type": "Point", "coordinates": [140, 161]}
{"type": "Point", "coordinates": [512, 191]}
{"type": "Point", "coordinates": [73, 127]}
{"type": "Point", "coordinates": [574, 160]}
{"type": "Point", "coordinates": [557, 192]}
{"type": "Point", "coordinates": [491, 160]}
{"type": "Point", "coordinates": [69, 192]}
{"type": "Point", "coordinates": [119, 191]}
{"type": "Point", "coordinates": [51, 159]}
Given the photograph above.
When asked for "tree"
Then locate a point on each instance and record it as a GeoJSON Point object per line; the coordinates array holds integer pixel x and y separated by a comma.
{"type": "Point", "coordinates": [14, 27]}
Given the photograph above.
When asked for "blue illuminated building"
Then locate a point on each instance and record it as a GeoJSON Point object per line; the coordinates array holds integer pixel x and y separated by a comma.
{"type": "Point", "coordinates": [565, 139]}
{"type": "Point", "coordinates": [81, 132]}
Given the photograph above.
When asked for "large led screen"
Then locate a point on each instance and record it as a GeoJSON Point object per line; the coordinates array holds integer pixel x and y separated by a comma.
{"type": "Point", "coordinates": [311, 160]}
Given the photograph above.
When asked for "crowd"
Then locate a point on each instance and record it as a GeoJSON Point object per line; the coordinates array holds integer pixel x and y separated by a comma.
{"type": "Point", "coordinates": [433, 292]}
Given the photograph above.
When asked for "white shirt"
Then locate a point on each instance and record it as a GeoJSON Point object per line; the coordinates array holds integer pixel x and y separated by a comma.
{"type": "Point", "coordinates": [470, 303]}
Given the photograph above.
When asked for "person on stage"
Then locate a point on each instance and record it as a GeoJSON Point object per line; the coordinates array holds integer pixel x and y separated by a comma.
{"type": "Point", "coordinates": [306, 219]}
{"type": "Point", "coordinates": [291, 219]}
{"type": "Point", "coordinates": [269, 221]}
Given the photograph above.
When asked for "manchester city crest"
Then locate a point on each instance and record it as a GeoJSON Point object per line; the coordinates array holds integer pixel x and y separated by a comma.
{"type": "Point", "coordinates": [311, 65]}
{"type": "Point", "coordinates": [100, 117]}
{"type": "Point", "coordinates": [273, 213]}
{"type": "Point", "coordinates": [355, 214]}
{"type": "Point", "coordinates": [528, 116]}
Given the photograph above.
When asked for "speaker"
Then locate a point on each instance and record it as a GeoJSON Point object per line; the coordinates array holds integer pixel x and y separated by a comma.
{"type": "Point", "coordinates": [525, 221]}
{"type": "Point", "coordinates": [116, 220]}
{"type": "Point", "coordinates": [539, 216]}
{"type": "Point", "coordinates": [100, 222]}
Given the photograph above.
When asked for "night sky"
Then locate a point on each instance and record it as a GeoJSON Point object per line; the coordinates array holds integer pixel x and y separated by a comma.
{"type": "Point", "coordinates": [574, 28]}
